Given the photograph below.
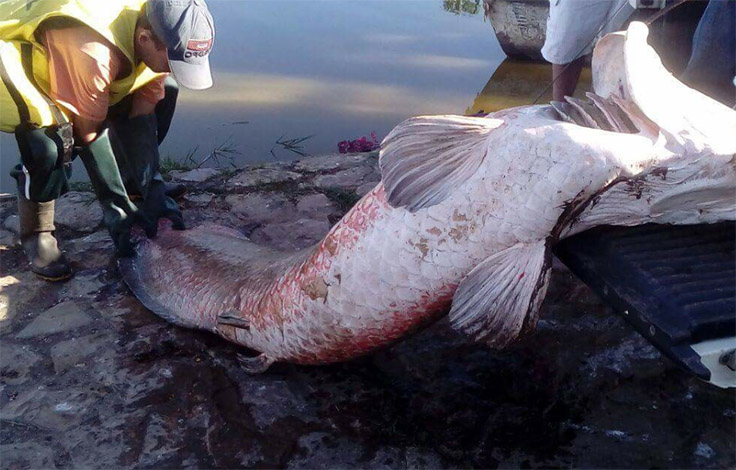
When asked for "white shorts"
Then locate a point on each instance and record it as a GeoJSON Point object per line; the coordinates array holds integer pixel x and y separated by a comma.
{"type": "Point", "coordinates": [574, 26]}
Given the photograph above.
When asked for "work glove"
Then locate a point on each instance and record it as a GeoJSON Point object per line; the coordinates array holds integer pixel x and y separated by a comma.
{"type": "Point", "coordinates": [135, 141]}
{"type": "Point", "coordinates": [119, 213]}
{"type": "Point", "coordinates": [157, 204]}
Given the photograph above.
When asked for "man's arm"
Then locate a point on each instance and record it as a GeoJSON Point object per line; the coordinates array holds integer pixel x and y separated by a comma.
{"type": "Point", "coordinates": [147, 97]}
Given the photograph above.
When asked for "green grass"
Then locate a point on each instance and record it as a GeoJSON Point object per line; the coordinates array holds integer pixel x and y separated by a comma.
{"type": "Point", "coordinates": [222, 155]}
{"type": "Point", "coordinates": [168, 165]}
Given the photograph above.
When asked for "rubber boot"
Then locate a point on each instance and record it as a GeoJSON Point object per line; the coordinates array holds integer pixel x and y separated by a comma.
{"type": "Point", "coordinates": [36, 236]}
{"type": "Point", "coordinates": [175, 190]}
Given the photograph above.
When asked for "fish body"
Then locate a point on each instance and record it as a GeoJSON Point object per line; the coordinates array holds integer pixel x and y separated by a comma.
{"type": "Point", "coordinates": [463, 220]}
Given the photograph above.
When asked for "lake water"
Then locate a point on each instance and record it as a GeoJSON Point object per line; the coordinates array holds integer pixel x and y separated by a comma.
{"type": "Point", "coordinates": [333, 70]}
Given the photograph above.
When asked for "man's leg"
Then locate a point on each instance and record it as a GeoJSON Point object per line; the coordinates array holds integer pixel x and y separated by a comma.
{"type": "Point", "coordinates": [38, 241]}
{"type": "Point", "coordinates": [566, 78]}
{"type": "Point", "coordinates": [45, 153]}
{"type": "Point", "coordinates": [166, 107]}
{"type": "Point", "coordinates": [42, 177]}
{"type": "Point", "coordinates": [572, 28]}
{"type": "Point", "coordinates": [164, 115]}
{"type": "Point", "coordinates": [712, 65]}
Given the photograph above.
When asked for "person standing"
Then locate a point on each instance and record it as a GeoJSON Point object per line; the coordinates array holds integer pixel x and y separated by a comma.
{"type": "Point", "coordinates": [572, 27]}
{"type": "Point", "coordinates": [90, 78]}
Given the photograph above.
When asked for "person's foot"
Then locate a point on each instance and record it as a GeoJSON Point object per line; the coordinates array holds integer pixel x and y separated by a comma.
{"type": "Point", "coordinates": [39, 244]}
{"type": "Point", "coordinates": [45, 258]}
{"type": "Point", "coordinates": [175, 190]}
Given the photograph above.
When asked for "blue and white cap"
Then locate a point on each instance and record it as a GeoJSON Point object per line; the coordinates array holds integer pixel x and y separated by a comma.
{"type": "Point", "coordinates": [187, 30]}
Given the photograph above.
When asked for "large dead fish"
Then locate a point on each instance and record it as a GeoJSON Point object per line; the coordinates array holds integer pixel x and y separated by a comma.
{"type": "Point", "coordinates": [464, 219]}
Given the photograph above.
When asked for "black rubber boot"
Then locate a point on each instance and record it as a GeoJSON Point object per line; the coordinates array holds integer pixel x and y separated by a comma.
{"type": "Point", "coordinates": [175, 190]}
{"type": "Point", "coordinates": [37, 238]}
{"type": "Point", "coordinates": [164, 115]}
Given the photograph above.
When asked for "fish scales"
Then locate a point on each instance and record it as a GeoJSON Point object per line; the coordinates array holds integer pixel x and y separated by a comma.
{"type": "Point", "coordinates": [462, 222]}
{"type": "Point", "coordinates": [346, 310]}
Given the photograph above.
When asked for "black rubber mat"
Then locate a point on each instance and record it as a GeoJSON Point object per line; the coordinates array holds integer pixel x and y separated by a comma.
{"type": "Point", "coordinates": [675, 284]}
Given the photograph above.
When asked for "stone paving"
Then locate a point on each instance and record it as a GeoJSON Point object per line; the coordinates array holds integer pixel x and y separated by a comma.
{"type": "Point", "coordinates": [91, 379]}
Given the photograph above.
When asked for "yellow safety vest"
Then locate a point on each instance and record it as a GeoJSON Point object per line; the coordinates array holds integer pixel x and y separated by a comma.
{"type": "Point", "coordinates": [115, 20]}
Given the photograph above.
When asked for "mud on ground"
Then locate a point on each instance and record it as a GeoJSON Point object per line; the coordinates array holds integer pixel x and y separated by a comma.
{"type": "Point", "coordinates": [91, 379]}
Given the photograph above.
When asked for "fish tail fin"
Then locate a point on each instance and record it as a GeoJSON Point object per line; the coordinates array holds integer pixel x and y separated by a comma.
{"type": "Point", "coordinates": [190, 277]}
{"type": "Point", "coordinates": [132, 271]}
{"type": "Point", "coordinates": [499, 300]}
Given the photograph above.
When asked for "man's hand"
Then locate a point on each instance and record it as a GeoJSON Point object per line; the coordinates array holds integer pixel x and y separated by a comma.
{"type": "Point", "coordinates": [157, 204]}
{"type": "Point", "coordinates": [119, 226]}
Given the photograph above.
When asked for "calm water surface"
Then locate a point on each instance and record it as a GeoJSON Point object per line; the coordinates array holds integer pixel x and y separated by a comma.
{"type": "Point", "coordinates": [333, 70]}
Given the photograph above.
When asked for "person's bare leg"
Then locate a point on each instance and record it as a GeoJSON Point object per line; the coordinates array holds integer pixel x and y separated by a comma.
{"type": "Point", "coordinates": [566, 78]}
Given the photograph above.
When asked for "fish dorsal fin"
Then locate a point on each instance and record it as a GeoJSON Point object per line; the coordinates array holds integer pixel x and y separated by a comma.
{"type": "Point", "coordinates": [499, 299]}
{"type": "Point", "coordinates": [616, 117]}
{"type": "Point", "coordinates": [425, 158]}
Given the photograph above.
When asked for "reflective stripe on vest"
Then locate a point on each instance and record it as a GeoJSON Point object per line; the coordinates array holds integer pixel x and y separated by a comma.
{"type": "Point", "coordinates": [20, 101]}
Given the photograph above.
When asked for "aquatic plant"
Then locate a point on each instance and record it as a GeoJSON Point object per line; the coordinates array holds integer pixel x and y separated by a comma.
{"type": "Point", "coordinates": [222, 155]}
{"type": "Point", "coordinates": [292, 145]}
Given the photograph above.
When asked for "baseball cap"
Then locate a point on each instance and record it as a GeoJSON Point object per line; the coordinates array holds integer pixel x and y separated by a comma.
{"type": "Point", "coordinates": [187, 30]}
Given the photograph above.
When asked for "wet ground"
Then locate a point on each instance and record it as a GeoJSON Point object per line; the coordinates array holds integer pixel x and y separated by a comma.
{"type": "Point", "coordinates": [91, 379]}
